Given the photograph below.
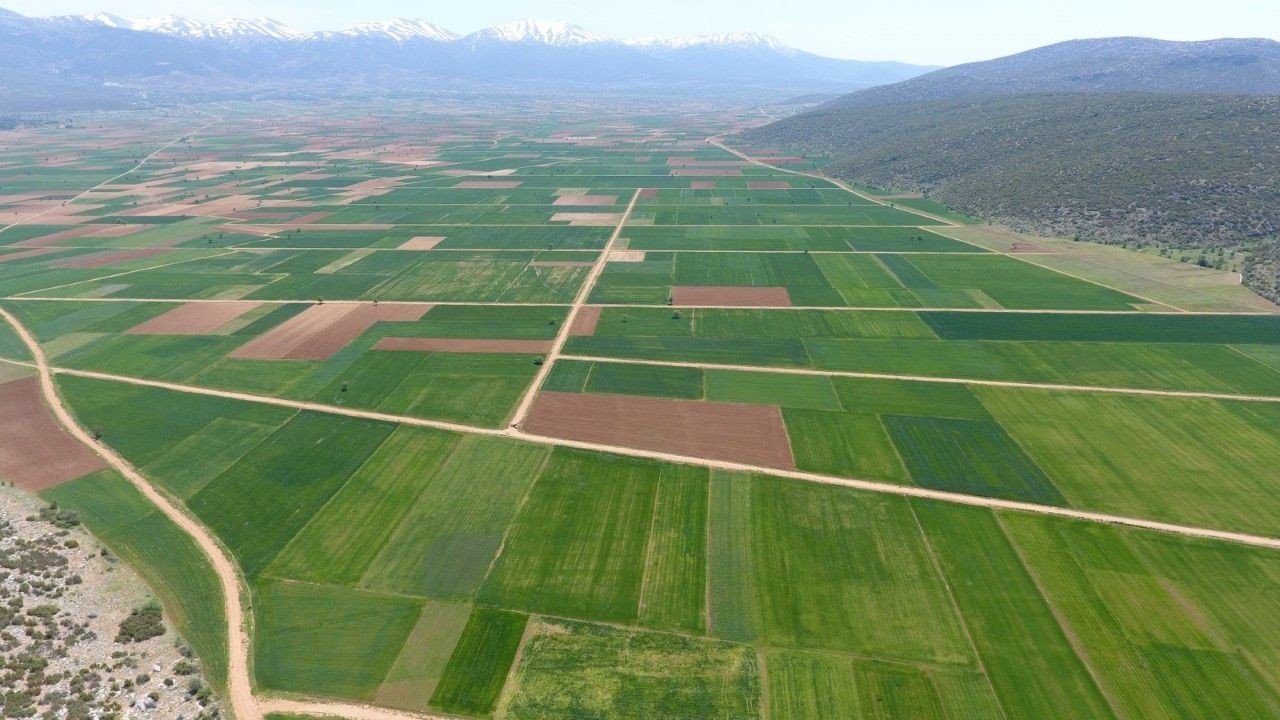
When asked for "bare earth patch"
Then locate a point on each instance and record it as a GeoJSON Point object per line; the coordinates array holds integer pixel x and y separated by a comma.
{"type": "Point", "coordinates": [702, 185]}
{"type": "Point", "coordinates": [752, 434]}
{"type": "Point", "coordinates": [36, 453]}
{"type": "Point", "coordinates": [452, 345]}
{"type": "Point", "coordinates": [489, 184]}
{"type": "Point", "coordinates": [627, 256]}
{"type": "Point", "coordinates": [422, 242]}
{"type": "Point", "coordinates": [584, 323]}
{"type": "Point", "coordinates": [322, 330]}
{"type": "Point", "coordinates": [588, 218]}
{"type": "Point", "coordinates": [768, 185]}
{"type": "Point", "coordinates": [196, 318]}
{"type": "Point", "coordinates": [727, 295]}
{"type": "Point", "coordinates": [586, 200]}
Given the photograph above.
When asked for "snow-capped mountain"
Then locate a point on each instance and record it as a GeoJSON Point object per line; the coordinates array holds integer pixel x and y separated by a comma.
{"type": "Point", "coordinates": [90, 59]}
{"type": "Point", "coordinates": [398, 29]}
{"type": "Point", "coordinates": [105, 18]}
{"type": "Point", "coordinates": [544, 32]}
{"type": "Point", "coordinates": [552, 33]}
{"type": "Point", "coordinates": [235, 28]}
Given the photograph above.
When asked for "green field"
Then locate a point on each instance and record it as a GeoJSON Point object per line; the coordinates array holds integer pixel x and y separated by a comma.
{"type": "Point", "coordinates": [439, 558]}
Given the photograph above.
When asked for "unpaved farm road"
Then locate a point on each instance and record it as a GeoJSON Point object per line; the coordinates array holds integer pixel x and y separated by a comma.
{"type": "Point", "coordinates": [244, 705]}
{"type": "Point", "coordinates": [838, 183]}
{"type": "Point", "coordinates": [854, 483]}
{"type": "Point", "coordinates": [526, 402]}
{"type": "Point", "coordinates": [1185, 394]}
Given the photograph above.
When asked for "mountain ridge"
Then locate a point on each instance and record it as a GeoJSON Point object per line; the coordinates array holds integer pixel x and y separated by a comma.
{"type": "Point", "coordinates": [547, 32]}
{"type": "Point", "coordinates": [1116, 64]}
{"type": "Point", "coordinates": [1175, 147]}
{"type": "Point", "coordinates": [103, 61]}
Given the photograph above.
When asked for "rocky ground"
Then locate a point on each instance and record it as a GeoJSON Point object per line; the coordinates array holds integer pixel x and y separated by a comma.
{"type": "Point", "coordinates": [80, 637]}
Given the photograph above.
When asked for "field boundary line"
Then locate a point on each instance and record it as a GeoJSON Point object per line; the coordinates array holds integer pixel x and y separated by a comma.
{"type": "Point", "coordinates": [955, 604]}
{"type": "Point", "coordinates": [1021, 257]}
{"type": "Point", "coordinates": [1184, 394]}
{"type": "Point", "coordinates": [714, 140]}
{"type": "Point", "coordinates": [945, 223]}
{"type": "Point", "coordinates": [23, 221]}
{"type": "Point", "coordinates": [957, 498]}
{"type": "Point", "coordinates": [1068, 632]}
{"type": "Point", "coordinates": [24, 295]}
{"type": "Point", "coordinates": [1099, 263]}
{"type": "Point", "coordinates": [584, 292]}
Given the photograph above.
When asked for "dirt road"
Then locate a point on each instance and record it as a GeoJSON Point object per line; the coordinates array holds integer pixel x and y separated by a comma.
{"type": "Point", "coordinates": [239, 687]}
{"type": "Point", "coordinates": [526, 402]}
{"type": "Point", "coordinates": [865, 485]}
{"type": "Point", "coordinates": [1186, 394]}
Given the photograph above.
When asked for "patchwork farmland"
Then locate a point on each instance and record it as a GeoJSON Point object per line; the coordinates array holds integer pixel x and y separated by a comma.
{"type": "Point", "coordinates": [551, 411]}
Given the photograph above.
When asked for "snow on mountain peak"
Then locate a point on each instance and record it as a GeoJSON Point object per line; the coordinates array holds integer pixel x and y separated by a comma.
{"type": "Point", "coordinates": [400, 30]}
{"type": "Point", "coordinates": [106, 18]}
{"type": "Point", "coordinates": [188, 27]}
{"type": "Point", "coordinates": [547, 32]}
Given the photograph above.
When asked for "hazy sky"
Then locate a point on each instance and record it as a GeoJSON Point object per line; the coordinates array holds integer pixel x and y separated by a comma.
{"type": "Point", "coordinates": [923, 31]}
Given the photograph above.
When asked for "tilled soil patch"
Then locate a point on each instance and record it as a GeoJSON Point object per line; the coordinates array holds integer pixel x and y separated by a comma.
{"type": "Point", "coordinates": [736, 432]}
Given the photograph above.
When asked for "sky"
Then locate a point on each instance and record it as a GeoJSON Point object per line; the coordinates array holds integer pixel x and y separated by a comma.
{"type": "Point", "coordinates": [933, 32]}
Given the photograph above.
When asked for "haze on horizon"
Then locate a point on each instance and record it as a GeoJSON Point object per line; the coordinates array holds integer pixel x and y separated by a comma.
{"type": "Point", "coordinates": [935, 32]}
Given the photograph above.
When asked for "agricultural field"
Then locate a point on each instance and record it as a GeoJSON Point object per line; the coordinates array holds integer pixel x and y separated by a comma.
{"type": "Point", "coordinates": [544, 411]}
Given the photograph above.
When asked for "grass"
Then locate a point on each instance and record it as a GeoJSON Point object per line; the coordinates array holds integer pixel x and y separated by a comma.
{"type": "Point", "coordinates": [417, 671]}
{"type": "Point", "coordinates": [804, 392]}
{"type": "Point", "coordinates": [446, 541]}
{"type": "Point", "coordinates": [143, 424]}
{"type": "Point", "coordinates": [325, 640]}
{"type": "Point", "coordinates": [1156, 652]}
{"type": "Point", "coordinates": [841, 570]}
{"type": "Point", "coordinates": [1196, 462]}
{"type": "Point", "coordinates": [668, 382]}
{"type": "Point", "coordinates": [969, 456]}
{"type": "Point", "coordinates": [218, 445]}
{"type": "Point", "coordinates": [1027, 655]}
{"type": "Point", "coordinates": [732, 608]}
{"type": "Point", "coordinates": [672, 592]}
{"type": "Point", "coordinates": [848, 444]}
{"type": "Point", "coordinates": [262, 501]}
{"type": "Point", "coordinates": [340, 542]}
{"type": "Point", "coordinates": [478, 668]}
{"type": "Point", "coordinates": [577, 548]}
{"type": "Point", "coordinates": [835, 687]}
{"type": "Point", "coordinates": [576, 670]}
{"type": "Point", "coordinates": [1204, 329]}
